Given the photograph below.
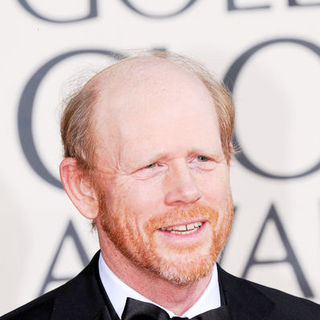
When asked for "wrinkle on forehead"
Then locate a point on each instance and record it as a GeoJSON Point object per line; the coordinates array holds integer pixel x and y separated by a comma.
{"type": "Point", "coordinates": [129, 90]}
{"type": "Point", "coordinates": [143, 78]}
{"type": "Point", "coordinates": [128, 73]}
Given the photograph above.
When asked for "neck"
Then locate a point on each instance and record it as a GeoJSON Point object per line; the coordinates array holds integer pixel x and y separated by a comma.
{"type": "Point", "coordinates": [176, 298]}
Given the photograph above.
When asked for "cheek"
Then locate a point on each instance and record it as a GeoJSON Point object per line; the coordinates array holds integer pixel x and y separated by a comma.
{"type": "Point", "coordinates": [144, 196]}
{"type": "Point", "coordinates": [141, 198]}
{"type": "Point", "coordinates": [214, 188]}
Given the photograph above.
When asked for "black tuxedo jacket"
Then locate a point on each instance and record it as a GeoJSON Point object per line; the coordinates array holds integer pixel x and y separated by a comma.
{"type": "Point", "coordinates": [84, 298]}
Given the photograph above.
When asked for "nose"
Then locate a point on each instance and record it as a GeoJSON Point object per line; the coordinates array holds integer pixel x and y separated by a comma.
{"type": "Point", "coordinates": [181, 188]}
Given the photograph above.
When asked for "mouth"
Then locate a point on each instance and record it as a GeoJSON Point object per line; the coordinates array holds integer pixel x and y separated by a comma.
{"type": "Point", "coordinates": [183, 229]}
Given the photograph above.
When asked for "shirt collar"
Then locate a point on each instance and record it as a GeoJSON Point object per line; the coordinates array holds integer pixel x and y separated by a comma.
{"type": "Point", "coordinates": [118, 292]}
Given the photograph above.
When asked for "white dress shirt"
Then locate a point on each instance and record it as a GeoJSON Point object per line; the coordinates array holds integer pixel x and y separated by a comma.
{"type": "Point", "coordinates": [118, 292]}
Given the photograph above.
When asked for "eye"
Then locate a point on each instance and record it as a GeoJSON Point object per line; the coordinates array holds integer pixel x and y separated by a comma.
{"type": "Point", "coordinates": [149, 171]}
{"type": "Point", "coordinates": [202, 158]}
{"type": "Point", "coordinates": [150, 166]}
{"type": "Point", "coordinates": [203, 163]}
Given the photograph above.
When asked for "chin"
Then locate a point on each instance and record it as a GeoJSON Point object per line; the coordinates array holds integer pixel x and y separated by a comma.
{"type": "Point", "coordinates": [184, 267]}
{"type": "Point", "coordinates": [183, 273]}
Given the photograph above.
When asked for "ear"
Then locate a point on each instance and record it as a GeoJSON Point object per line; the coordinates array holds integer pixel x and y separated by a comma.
{"type": "Point", "coordinates": [79, 188]}
{"type": "Point", "coordinates": [231, 152]}
{"type": "Point", "coordinates": [231, 148]}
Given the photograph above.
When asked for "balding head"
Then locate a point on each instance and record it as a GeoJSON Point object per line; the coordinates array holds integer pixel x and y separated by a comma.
{"type": "Point", "coordinates": [140, 77]}
{"type": "Point", "coordinates": [158, 160]}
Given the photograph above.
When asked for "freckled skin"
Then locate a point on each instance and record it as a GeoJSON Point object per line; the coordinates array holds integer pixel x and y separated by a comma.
{"type": "Point", "coordinates": [159, 162]}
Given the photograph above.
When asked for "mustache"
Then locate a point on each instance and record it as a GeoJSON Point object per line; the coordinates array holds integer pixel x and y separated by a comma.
{"type": "Point", "coordinates": [182, 215]}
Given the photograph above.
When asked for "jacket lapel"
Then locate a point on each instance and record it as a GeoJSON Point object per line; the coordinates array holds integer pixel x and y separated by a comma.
{"type": "Point", "coordinates": [83, 298]}
{"type": "Point", "coordinates": [244, 301]}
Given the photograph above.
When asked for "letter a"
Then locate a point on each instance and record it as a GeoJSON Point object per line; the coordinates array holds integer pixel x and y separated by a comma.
{"type": "Point", "coordinates": [72, 234]}
{"type": "Point", "coordinates": [290, 256]}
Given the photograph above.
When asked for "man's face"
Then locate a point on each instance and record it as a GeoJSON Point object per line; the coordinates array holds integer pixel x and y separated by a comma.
{"type": "Point", "coordinates": [162, 179]}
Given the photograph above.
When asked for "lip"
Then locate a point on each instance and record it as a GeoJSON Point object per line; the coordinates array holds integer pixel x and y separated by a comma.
{"type": "Point", "coordinates": [188, 236]}
{"type": "Point", "coordinates": [184, 223]}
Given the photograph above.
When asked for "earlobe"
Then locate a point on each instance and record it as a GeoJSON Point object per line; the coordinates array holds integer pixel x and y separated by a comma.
{"type": "Point", "coordinates": [231, 152]}
{"type": "Point", "coordinates": [79, 188]}
{"type": "Point", "coordinates": [231, 148]}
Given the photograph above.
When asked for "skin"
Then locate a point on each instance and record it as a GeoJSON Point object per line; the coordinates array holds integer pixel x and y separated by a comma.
{"type": "Point", "coordinates": [158, 163]}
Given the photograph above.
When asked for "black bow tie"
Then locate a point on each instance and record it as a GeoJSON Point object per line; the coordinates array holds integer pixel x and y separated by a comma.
{"type": "Point", "coordinates": [138, 310]}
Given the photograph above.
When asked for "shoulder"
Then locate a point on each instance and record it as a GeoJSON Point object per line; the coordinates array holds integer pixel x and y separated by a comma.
{"type": "Point", "coordinates": [39, 308]}
{"type": "Point", "coordinates": [291, 306]}
{"type": "Point", "coordinates": [253, 299]}
{"type": "Point", "coordinates": [79, 298]}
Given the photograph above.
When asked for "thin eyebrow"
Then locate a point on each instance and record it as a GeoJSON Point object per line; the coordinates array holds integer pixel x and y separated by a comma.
{"type": "Point", "coordinates": [157, 157]}
{"type": "Point", "coordinates": [210, 153]}
{"type": "Point", "coordinates": [164, 156]}
{"type": "Point", "coordinates": [145, 161]}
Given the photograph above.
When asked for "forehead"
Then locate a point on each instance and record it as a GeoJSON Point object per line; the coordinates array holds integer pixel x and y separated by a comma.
{"type": "Point", "coordinates": [147, 101]}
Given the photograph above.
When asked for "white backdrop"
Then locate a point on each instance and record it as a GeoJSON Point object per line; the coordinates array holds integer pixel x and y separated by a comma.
{"type": "Point", "coordinates": [267, 50]}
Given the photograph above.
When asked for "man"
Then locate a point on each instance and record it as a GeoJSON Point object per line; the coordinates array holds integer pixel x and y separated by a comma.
{"type": "Point", "coordinates": [147, 154]}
